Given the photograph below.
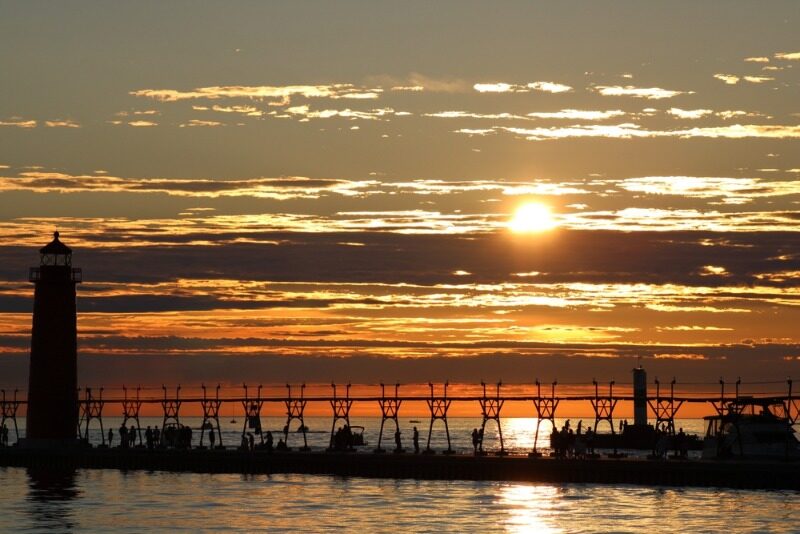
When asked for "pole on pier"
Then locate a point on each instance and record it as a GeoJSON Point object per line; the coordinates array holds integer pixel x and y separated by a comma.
{"type": "Point", "coordinates": [9, 413]}
{"type": "Point", "coordinates": [294, 410]}
{"type": "Point", "coordinates": [211, 408]}
{"type": "Point", "coordinates": [490, 410]}
{"type": "Point", "coordinates": [131, 409]}
{"type": "Point", "coordinates": [91, 408]}
{"type": "Point", "coordinates": [792, 405]}
{"type": "Point", "coordinates": [438, 407]}
{"type": "Point", "coordinates": [604, 406]}
{"type": "Point", "coordinates": [725, 405]}
{"type": "Point", "coordinates": [665, 408]}
{"type": "Point", "coordinates": [545, 411]}
{"type": "Point", "coordinates": [252, 413]}
{"type": "Point", "coordinates": [390, 407]}
{"type": "Point", "coordinates": [341, 412]}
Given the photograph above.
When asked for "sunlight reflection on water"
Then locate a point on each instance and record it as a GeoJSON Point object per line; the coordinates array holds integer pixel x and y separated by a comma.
{"type": "Point", "coordinates": [105, 501]}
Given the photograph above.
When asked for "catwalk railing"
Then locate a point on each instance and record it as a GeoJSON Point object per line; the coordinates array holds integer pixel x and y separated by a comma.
{"type": "Point", "coordinates": [664, 407]}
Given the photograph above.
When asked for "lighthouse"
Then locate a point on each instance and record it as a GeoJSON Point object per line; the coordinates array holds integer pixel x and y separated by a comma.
{"type": "Point", "coordinates": [52, 417]}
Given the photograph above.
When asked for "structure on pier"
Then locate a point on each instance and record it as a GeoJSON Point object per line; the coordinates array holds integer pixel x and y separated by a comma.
{"type": "Point", "coordinates": [545, 411]}
{"type": "Point", "coordinates": [490, 411]}
{"type": "Point", "coordinates": [341, 411]}
{"type": "Point", "coordinates": [438, 407]}
{"type": "Point", "coordinates": [252, 413]}
{"type": "Point", "coordinates": [52, 417]}
{"type": "Point", "coordinates": [91, 409]}
{"type": "Point", "coordinates": [390, 408]}
{"type": "Point", "coordinates": [295, 408]}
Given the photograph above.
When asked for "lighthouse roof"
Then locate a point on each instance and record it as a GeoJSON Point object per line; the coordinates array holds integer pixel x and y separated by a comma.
{"type": "Point", "coordinates": [55, 247]}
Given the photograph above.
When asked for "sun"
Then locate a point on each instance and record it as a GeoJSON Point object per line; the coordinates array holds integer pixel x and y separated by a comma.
{"type": "Point", "coordinates": [532, 217]}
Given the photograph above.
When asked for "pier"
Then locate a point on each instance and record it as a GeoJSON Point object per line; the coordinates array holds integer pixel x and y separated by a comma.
{"type": "Point", "coordinates": [95, 403]}
{"type": "Point", "coordinates": [732, 474]}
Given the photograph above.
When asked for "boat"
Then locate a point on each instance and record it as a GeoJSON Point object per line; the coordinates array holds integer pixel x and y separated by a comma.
{"type": "Point", "coordinates": [751, 428]}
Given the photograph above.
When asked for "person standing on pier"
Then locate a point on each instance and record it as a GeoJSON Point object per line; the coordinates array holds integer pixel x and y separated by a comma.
{"type": "Point", "coordinates": [123, 436]}
{"type": "Point", "coordinates": [416, 441]}
{"type": "Point", "coordinates": [110, 437]}
{"type": "Point", "coordinates": [397, 442]}
{"type": "Point", "coordinates": [475, 441]}
{"type": "Point", "coordinates": [211, 439]}
{"type": "Point", "coordinates": [269, 441]}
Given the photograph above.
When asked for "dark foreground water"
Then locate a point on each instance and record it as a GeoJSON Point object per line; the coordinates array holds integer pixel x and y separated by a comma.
{"type": "Point", "coordinates": [114, 501]}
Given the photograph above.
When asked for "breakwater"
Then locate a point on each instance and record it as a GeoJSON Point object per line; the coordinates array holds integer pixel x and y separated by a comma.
{"type": "Point", "coordinates": [733, 474]}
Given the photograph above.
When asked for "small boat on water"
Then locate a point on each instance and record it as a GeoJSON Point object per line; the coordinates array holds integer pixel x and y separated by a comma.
{"type": "Point", "coordinates": [751, 428]}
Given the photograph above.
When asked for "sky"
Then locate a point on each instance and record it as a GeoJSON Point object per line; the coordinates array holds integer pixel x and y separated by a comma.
{"type": "Point", "coordinates": [317, 191]}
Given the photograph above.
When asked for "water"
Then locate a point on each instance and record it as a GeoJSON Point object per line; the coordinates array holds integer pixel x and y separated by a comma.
{"type": "Point", "coordinates": [139, 501]}
{"type": "Point", "coordinates": [114, 501]}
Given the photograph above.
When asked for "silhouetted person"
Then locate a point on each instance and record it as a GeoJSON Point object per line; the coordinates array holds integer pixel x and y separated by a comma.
{"type": "Point", "coordinates": [281, 445]}
{"type": "Point", "coordinates": [683, 446]}
{"type": "Point", "coordinates": [148, 437]}
{"type": "Point", "coordinates": [211, 439]}
{"type": "Point", "coordinates": [397, 442]}
{"type": "Point", "coordinates": [110, 437]}
{"type": "Point", "coordinates": [416, 440]}
{"type": "Point", "coordinates": [269, 441]}
{"type": "Point", "coordinates": [480, 439]}
{"type": "Point", "coordinates": [475, 441]}
{"type": "Point", "coordinates": [132, 435]}
{"type": "Point", "coordinates": [156, 436]}
{"type": "Point", "coordinates": [123, 436]}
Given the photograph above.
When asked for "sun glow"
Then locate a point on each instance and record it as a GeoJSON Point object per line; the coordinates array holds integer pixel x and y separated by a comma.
{"type": "Point", "coordinates": [532, 217]}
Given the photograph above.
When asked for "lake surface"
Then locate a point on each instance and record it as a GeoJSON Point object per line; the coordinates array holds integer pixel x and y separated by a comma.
{"type": "Point", "coordinates": [139, 501]}
{"type": "Point", "coordinates": [114, 501]}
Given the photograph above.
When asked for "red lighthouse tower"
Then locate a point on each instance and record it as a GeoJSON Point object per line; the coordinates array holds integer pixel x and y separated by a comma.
{"type": "Point", "coordinates": [52, 418]}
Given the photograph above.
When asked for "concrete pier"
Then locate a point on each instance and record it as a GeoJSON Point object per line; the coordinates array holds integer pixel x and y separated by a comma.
{"type": "Point", "coordinates": [733, 474]}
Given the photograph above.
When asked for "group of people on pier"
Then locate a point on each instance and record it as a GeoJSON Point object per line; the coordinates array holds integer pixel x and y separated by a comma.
{"type": "Point", "coordinates": [179, 437]}
{"type": "Point", "coordinates": [567, 443]}
{"type": "Point", "coordinates": [666, 440]}
{"type": "Point", "coordinates": [344, 439]}
{"type": "Point", "coordinates": [127, 436]}
{"type": "Point", "coordinates": [268, 442]}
